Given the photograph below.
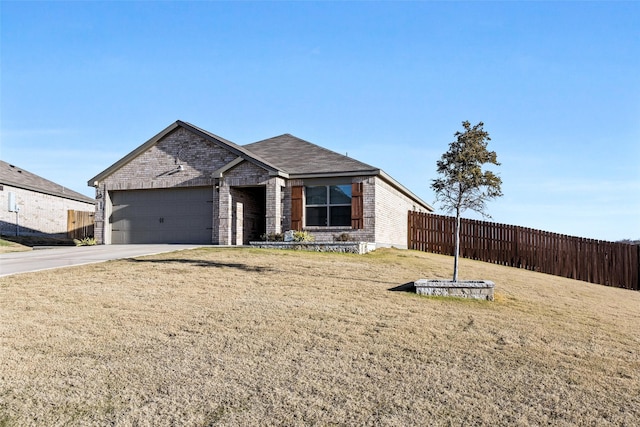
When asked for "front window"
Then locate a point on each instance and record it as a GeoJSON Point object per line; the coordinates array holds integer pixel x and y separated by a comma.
{"type": "Point", "coordinates": [328, 205]}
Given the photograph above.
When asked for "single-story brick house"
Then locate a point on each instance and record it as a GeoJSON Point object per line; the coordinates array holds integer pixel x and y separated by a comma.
{"type": "Point", "coordinates": [33, 206]}
{"type": "Point", "coordinates": [187, 185]}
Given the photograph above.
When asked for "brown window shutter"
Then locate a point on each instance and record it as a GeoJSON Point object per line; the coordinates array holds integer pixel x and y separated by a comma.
{"type": "Point", "coordinates": [296, 208]}
{"type": "Point", "coordinates": [357, 206]}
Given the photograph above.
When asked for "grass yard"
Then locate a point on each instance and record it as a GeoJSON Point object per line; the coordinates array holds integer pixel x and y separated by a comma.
{"type": "Point", "coordinates": [9, 246]}
{"type": "Point", "coordinates": [256, 337]}
{"type": "Point", "coordinates": [26, 243]}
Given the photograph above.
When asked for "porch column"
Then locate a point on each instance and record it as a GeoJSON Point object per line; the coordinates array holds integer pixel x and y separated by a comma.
{"type": "Point", "coordinates": [99, 223]}
{"type": "Point", "coordinates": [107, 209]}
{"type": "Point", "coordinates": [225, 214]}
{"type": "Point", "coordinates": [274, 205]}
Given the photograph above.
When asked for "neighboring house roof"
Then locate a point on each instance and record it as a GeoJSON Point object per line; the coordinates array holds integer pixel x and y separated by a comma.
{"type": "Point", "coordinates": [17, 177]}
{"type": "Point", "coordinates": [298, 157]}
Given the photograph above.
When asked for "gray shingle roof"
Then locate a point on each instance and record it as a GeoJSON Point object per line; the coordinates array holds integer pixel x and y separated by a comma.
{"type": "Point", "coordinates": [17, 177]}
{"type": "Point", "coordinates": [302, 159]}
{"type": "Point", "coordinates": [296, 156]}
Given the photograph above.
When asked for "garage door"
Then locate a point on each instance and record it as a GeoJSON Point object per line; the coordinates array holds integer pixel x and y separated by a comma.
{"type": "Point", "coordinates": [177, 215]}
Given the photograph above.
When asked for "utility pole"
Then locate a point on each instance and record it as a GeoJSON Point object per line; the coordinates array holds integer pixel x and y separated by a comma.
{"type": "Point", "coordinates": [17, 224]}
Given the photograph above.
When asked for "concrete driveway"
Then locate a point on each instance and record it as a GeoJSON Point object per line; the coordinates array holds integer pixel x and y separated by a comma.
{"type": "Point", "coordinates": [46, 259]}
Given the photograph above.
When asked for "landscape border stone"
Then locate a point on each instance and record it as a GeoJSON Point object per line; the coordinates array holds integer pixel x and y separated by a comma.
{"type": "Point", "coordinates": [476, 289]}
{"type": "Point", "coordinates": [341, 247]}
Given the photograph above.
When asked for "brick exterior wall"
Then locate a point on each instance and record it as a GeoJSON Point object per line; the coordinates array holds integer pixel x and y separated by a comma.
{"type": "Point", "coordinates": [158, 167]}
{"type": "Point", "coordinates": [385, 215]}
{"type": "Point", "coordinates": [328, 234]}
{"type": "Point", "coordinates": [248, 213]}
{"type": "Point", "coordinates": [237, 191]}
{"type": "Point", "coordinates": [275, 205]}
{"type": "Point", "coordinates": [391, 215]}
{"type": "Point", "coordinates": [40, 214]}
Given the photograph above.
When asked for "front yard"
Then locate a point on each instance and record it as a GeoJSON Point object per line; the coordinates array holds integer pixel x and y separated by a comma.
{"type": "Point", "coordinates": [260, 337]}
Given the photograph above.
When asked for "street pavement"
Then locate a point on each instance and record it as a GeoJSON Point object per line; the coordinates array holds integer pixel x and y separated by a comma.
{"type": "Point", "coordinates": [46, 259]}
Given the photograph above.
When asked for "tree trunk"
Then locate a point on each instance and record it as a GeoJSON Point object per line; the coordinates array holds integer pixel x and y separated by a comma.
{"type": "Point", "coordinates": [456, 254]}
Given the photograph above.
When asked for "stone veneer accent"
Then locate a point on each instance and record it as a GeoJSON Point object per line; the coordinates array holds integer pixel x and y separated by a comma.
{"type": "Point", "coordinates": [342, 247]}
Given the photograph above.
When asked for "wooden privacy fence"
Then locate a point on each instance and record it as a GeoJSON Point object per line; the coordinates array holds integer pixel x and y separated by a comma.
{"type": "Point", "coordinates": [79, 224]}
{"type": "Point", "coordinates": [595, 261]}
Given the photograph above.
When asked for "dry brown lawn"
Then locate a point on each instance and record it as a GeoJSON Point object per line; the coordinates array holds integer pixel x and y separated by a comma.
{"type": "Point", "coordinates": [255, 337]}
{"type": "Point", "coordinates": [8, 246]}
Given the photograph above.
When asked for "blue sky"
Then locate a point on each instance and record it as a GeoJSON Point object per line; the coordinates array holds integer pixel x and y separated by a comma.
{"type": "Point", "coordinates": [557, 85]}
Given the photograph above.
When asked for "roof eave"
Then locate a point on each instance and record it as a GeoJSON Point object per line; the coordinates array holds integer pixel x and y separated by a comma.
{"type": "Point", "coordinates": [372, 172]}
{"type": "Point", "coordinates": [280, 174]}
{"type": "Point", "coordinates": [75, 196]}
{"type": "Point", "coordinates": [219, 173]}
{"type": "Point", "coordinates": [312, 175]}
{"type": "Point", "coordinates": [405, 190]}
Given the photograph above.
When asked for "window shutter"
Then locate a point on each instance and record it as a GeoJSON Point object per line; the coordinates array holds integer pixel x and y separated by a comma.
{"type": "Point", "coordinates": [357, 206]}
{"type": "Point", "coordinates": [296, 208]}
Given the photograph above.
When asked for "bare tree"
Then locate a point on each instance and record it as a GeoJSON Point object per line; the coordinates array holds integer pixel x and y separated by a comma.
{"type": "Point", "coordinates": [462, 184]}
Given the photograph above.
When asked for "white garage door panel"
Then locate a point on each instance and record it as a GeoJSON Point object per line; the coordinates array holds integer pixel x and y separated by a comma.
{"type": "Point", "coordinates": [183, 215]}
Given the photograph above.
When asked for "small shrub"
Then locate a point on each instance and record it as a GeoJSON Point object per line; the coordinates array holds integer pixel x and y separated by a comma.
{"type": "Point", "coordinates": [298, 236]}
{"type": "Point", "coordinates": [272, 237]}
{"type": "Point", "coordinates": [87, 241]}
{"type": "Point", "coordinates": [303, 236]}
{"type": "Point", "coordinates": [344, 237]}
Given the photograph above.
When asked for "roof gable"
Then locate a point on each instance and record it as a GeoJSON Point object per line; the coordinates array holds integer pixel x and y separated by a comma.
{"type": "Point", "coordinates": [212, 138]}
{"type": "Point", "coordinates": [299, 157]}
{"type": "Point", "coordinates": [239, 150]}
{"type": "Point", "coordinates": [20, 178]}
